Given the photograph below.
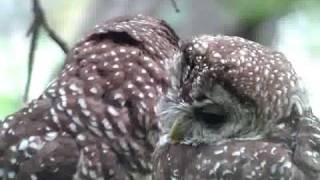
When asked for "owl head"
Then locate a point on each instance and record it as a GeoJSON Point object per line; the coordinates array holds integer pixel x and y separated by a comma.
{"type": "Point", "coordinates": [228, 87]}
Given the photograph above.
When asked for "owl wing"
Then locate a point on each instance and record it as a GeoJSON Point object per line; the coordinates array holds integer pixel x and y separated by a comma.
{"type": "Point", "coordinates": [101, 106]}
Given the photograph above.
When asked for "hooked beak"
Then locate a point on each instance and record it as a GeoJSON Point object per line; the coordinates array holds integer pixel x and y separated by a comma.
{"type": "Point", "coordinates": [179, 129]}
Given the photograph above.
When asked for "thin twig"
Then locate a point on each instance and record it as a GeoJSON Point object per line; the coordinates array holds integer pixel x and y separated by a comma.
{"type": "Point", "coordinates": [38, 22]}
{"type": "Point", "coordinates": [38, 12]}
{"type": "Point", "coordinates": [175, 6]}
{"type": "Point", "coordinates": [34, 32]}
{"type": "Point", "coordinates": [55, 38]}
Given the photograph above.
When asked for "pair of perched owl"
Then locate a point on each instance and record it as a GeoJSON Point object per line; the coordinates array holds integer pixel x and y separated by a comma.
{"type": "Point", "coordinates": [133, 102]}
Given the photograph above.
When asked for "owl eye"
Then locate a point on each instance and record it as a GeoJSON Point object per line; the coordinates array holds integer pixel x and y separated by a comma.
{"type": "Point", "coordinates": [213, 116]}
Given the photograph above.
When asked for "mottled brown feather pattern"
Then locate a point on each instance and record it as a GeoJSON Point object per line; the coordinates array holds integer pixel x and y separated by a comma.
{"type": "Point", "coordinates": [287, 143]}
{"type": "Point", "coordinates": [99, 111]}
{"type": "Point", "coordinates": [250, 70]}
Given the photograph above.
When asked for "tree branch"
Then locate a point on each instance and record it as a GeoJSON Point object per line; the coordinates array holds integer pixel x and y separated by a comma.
{"type": "Point", "coordinates": [38, 22]}
{"type": "Point", "coordinates": [175, 6]}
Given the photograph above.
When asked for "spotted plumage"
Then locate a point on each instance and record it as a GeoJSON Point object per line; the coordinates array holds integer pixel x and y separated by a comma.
{"type": "Point", "coordinates": [237, 110]}
{"type": "Point", "coordinates": [97, 119]}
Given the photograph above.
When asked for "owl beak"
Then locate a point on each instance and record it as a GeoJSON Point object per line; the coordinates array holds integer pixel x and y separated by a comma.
{"type": "Point", "coordinates": [179, 129]}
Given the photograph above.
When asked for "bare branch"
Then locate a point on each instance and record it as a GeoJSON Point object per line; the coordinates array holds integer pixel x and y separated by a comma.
{"type": "Point", "coordinates": [56, 38]}
{"type": "Point", "coordinates": [38, 14]}
{"type": "Point", "coordinates": [38, 22]}
{"type": "Point", "coordinates": [175, 6]}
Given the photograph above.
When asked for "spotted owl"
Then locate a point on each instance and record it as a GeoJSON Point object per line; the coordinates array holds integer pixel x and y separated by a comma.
{"type": "Point", "coordinates": [236, 110]}
{"type": "Point", "coordinates": [97, 119]}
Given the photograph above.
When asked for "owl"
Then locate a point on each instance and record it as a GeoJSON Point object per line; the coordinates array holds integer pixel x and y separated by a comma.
{"type": "Point", "coordinates": [236, 110]}
{"type": "Point", "coordinates": [97, 119]}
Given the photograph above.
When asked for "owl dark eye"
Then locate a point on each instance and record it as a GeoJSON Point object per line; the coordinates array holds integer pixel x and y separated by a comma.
{"type": "Point", "coordinates": [213, 116]}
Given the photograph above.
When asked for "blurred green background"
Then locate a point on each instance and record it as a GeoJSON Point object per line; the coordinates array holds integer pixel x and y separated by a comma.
{"type": "Point", "coordinates": [291, 26]}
